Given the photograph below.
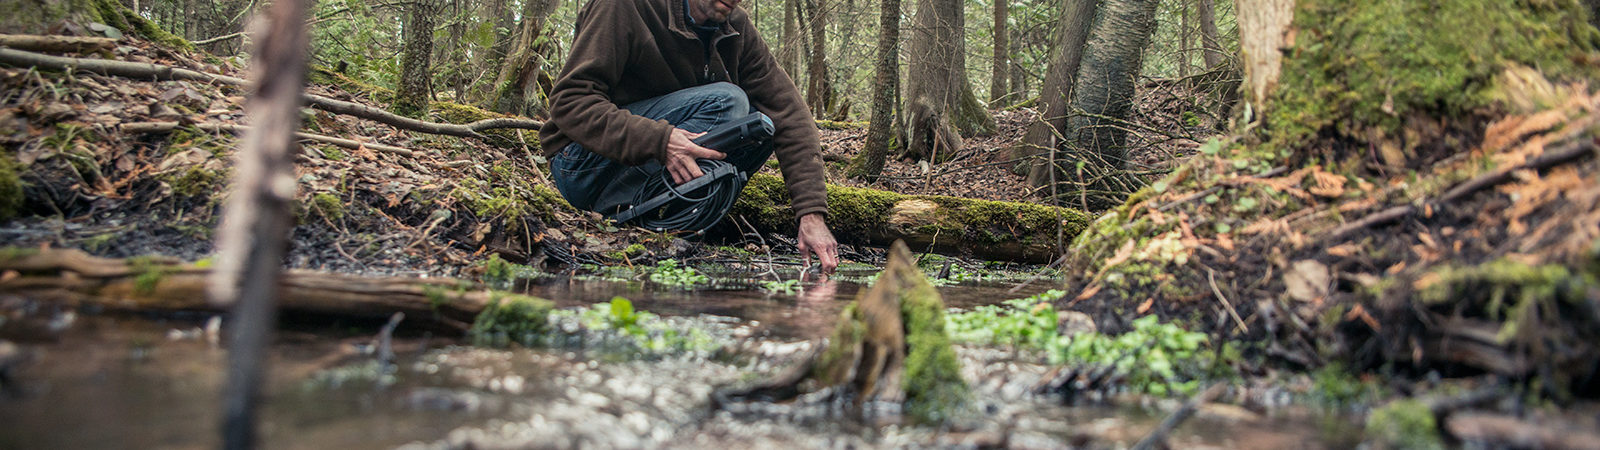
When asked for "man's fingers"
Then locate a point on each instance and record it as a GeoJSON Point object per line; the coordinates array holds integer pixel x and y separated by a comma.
{"type": "Point", "coordinates": [708, 153]}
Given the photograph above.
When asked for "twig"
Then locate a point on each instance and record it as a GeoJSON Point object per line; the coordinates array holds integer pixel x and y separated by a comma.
{"type": "Point", "coordinates": [218, 38]}
{"type": "Point", "coordinates": [1212, 276]}
{"type": "Point", "coordinates": [1158, 436]}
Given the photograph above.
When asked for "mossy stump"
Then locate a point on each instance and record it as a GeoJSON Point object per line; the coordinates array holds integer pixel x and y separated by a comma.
{"type": "Point", "coordinates": [890, 346]}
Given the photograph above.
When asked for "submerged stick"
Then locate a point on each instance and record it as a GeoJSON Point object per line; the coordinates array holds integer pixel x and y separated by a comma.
{"type": "Point", "coordinates": [257, 218]}
{"type": "Point", "coordinates": [1159, 436]}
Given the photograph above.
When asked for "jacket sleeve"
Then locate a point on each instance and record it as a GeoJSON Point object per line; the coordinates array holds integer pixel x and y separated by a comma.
{"type": "Point", "coordinates": [580, 103]}
{"type": "Point", "coordinates": [797, 142]}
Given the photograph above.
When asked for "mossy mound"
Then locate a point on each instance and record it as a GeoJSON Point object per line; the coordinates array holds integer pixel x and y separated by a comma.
{"type": "Point", "coordinates": [11, 195]}
{"type": "Point", "coordinates": [1363, 67]}
{"type": "Point", "coordinates": [511, 318]}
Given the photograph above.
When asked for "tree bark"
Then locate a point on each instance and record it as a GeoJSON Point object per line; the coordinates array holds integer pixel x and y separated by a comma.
{"type": "Point", "coordinates": [817, 95]}
{"type": "Point", "coordinates": [1102, 98]}
{"type": "Point", "coordinates": [789, 54]}
{"type": "Point", "coordinates": [886, 82]}
{"type": "Point", "coordinates": [1185, 41]}
{"type": "Point", "coordinates": [505, 22]}
{"type": "Point", "coordinates": [939, 98]}
{"type": "Point", "coordinates": [521, 86]}
{"type": "Point", "coordinates": [1210, 40]}
{"type": "Point", "coordinates": [257, 219]}
{"type": "Point", "coordinates": [1056, 91]}
{"type": "Point", "coordinates": [416, 68]}
{"type": "Point", "coordinates": [1263, 33]}
{"type": "Point", "coordinates": [1002, 57]}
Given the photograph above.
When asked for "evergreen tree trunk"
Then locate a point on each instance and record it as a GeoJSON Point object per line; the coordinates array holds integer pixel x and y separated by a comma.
{"type": "Point", "coordinates": [191, 20]}
{"type": "Point", "coordinates": [411, 99]}
{"type": "Point", "coordinates": [939, 97]}
{"type": "Point", "coordinates": [453, 53]}
{"type": "Point", "coordinates": [505, 24]}
{"type": "Point", "coordinates": [1002, 57]}
{"type": "Point", "coordinates": [1210, 40]}
{"type": "Point", "coordinates": [1056, 91]}
{"type": "Point", "coordinates": [1102, 100]}
{"type": "Point", "coordinates": [520, 87]}
{"type": "Point", "coordinates": [886, 82]}
{"type": "Point", "coordinates": [1185, 39]}
{"type": "Point", "coordinates": [789, 55]}
{"type": "Point", "coordinates": [816, 71]}
{"type": "Point", "coordinates": [1019, 77]}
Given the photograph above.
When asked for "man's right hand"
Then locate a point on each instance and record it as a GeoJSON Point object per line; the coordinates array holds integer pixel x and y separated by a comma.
{"type": "Point", "coordinates": [681, 153]}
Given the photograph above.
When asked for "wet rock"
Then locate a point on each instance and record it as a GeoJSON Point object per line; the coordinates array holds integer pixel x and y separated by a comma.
{"type": "Point", "coordinates": [1072, 323]}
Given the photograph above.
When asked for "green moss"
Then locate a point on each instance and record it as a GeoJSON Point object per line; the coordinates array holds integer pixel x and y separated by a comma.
{"type": "Point", "coordinates": [328, 205]}
{"type": "Point", "coordinates": [11, 194]}
{"type": "Point", "coordinates": [631, 250]}
{"type": "Point", "coordinates": [1407, 424]}
{"type": "Point", "coordinates": [323, 75]}
{"type": "Point", "coordinates": [150, 271]}
{"type": "Point", "coordinates": [510, 318]}
{"type": "Point", "coordinates": [841, 125]}
{"type": "Point", "coordinates": [1335, 387]}
{"type": "Point", "coordinates": [11, 253]}
{"type": "Point", "coordinates": [116, 15]}
{"type": "Point", "coordinates": [934, 388]}
{"type": "Point", "coordinates": [1370, 64]}
{"type": "Point", "coordinates": [195, 182]}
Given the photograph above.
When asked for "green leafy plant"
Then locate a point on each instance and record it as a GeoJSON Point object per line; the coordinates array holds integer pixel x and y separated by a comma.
{"type": "Point", "coordinates": [619, 327]}
{"type": "Point", "coordinates": [1155, 358]}
{"type": "Point", "coordinates": [781, 287]}
{"type": "Point", "coordinates": [668, 272]}
{"type": "Point", "coordinates": [1024, 322]}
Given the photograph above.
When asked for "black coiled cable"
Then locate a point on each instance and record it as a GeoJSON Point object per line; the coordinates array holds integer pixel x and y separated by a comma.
{"type": "Point", "coordinates": [694, 206]}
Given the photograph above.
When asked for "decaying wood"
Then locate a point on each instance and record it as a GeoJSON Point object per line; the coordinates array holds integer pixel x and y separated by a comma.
{"type": "Point", "coordinates": [869, 367]}
{"type": "Point", "coordinates": [1264, 30]}
{"type": "Point", "coordinates": [1498, 431]}
{"type": "Point", "coordinates": [166, 127]}
{"type": "Point", "coordinates": [56, 44]}
{"type": "Point", "coordinates": [74, 277]}
{"type": "Point", "coordinates": [148, 71]}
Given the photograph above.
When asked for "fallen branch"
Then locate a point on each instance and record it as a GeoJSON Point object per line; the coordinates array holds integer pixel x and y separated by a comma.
{"type": "Point", "coordinates": [1158, 437]}
{"type": "Point", "coordinates": [165, 127]}
{"type": "Point", "coordinates": [58, 44]}
{"type": "Point", "coordinates": [1566, 153]}
{"type": "Point", "coordinates": [148, 71]}
{"type": "Point", "coordinates": [154, 285]}
{"type": "Point", "coordinates": [218, 38]}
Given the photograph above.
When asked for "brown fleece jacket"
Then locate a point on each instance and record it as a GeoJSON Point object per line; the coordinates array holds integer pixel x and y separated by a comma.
{"type": "Point", "coordinates": [631, 50]}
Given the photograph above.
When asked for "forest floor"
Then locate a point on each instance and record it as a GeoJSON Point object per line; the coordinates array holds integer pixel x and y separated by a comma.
{"type": "Point", "coordinates": [1317, 260]}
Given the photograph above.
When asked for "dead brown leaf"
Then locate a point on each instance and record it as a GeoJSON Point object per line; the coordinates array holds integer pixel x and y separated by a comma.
{"type": "Point", "coordinates": [1329, 185]}
{"type": "Point", "coordinates": [1307, 281]}
{"type": "Point", "coordinates": [1145, 307]}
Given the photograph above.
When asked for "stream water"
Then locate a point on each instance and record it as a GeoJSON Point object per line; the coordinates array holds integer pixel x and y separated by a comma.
{"type": "Point", "coordinates": [118, 381]}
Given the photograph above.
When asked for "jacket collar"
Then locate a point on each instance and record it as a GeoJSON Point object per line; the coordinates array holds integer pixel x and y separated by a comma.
{"type": "Point", "coordinates": [679, 22]}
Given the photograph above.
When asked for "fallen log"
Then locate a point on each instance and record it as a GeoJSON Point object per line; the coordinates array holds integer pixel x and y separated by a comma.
{"type": "Point", "coordinates": [148, 71]}
{"type": "Point", "coordinates": [155, 284]}
{"type": "Point", "coordinates": [56, 44]}
{"type": "Point", "coordinates": [1009, 231]}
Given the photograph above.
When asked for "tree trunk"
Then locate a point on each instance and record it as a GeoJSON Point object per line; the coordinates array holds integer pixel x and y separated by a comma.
{"type": "Point", "coordinates": [939, 97]}
{"type": "Point", "coordinates": [505, 23]}
{"type": "Point", "coordinates": [256, 219]}
{"type": "Point", "coordinates": [1056, 91]}
{"type": "Point", "coordinates": [789, 54]}
{"type": "Point", "coordinates": [1209, 39]}
{"type": "Point", "coordinates": [1263, 25]}
{"type": "Point", "coordinates": [522, 84]}
{"type": "Point", "coordinates": [1102, 99]}
{"type": "Point", "coordinates": [416, 74]}
{"type": "Point", "coordinates": [1019, 80]}
{"type": "Point", "coordinates": [452, 56]}
{"type": "Point", "coordinates": [817, 70]}
{"type": "Point", "coordinates": [191, 20]}
{"type": "Point", "coordinates": [886, 81]}
{"type": "Point", "coordinates": [1002, 57]}
{"type": "Point", "coordinates": [1185, 41]}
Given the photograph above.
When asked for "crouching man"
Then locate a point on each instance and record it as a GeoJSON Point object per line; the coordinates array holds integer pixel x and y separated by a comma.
{"type": "Point", "coordinates": [646, 77]}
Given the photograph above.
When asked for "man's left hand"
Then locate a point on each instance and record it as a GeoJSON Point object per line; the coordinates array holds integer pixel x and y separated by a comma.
{"type": "Point", "coordinates": [814, 237]}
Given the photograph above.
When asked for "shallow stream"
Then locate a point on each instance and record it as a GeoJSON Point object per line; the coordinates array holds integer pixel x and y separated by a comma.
{"type": "Point", "coordinates": [118, 381]}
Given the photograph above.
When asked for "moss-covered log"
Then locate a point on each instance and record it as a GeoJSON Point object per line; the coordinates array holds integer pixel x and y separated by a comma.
{"type": "Point", "coordinates": [158, 284]}
{"type": "Point", "coordinates": [38, 16]}
{"type": "Point", "coordinates": [987, 229]}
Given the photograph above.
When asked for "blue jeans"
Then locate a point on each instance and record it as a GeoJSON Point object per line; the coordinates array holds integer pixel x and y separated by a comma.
{"type": "Point", "coordinates": [596, 183]}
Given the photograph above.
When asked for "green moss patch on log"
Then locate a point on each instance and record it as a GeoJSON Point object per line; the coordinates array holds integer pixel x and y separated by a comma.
{"type": "Point", "coordinates": [1371, 64]}
{"type": "Point", "coordinates": [11, 194]}
{"type": "Point", "coordinates": [990, 229]}
{"type": "Point", "coordinates": [511, 318]}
